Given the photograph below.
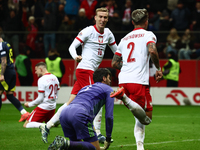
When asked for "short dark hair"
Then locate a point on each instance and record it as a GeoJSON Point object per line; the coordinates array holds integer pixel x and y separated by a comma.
{"type": "Point", "coordinates": [100, 73]}
{"type": "Point", "coordinates": [139, 16]}
{"type": "Point", "coordinates": [41, 64]}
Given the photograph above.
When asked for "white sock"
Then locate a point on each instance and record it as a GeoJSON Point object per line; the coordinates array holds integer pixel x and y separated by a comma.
{"type": "Point", "coordinates": [97, 121]}
{"type": "Point", "coordinates": [136, 110]}
{"type": "Point", "coordinates": [33, 124]}
{"type": "Point", "coordinates": [23, 111]}
{"type": "Point", "coordinates": [139, 133]}
{"type": "Point", "coordinates": [56, 117]}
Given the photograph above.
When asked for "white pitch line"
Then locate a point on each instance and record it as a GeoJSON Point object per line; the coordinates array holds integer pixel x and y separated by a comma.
{"type": "Point", "coordinates": [166, 142]}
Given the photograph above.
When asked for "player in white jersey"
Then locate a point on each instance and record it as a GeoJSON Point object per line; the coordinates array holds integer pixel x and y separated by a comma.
{"type": "Point", "coordinates": [48, 86]}
{"type": "Point", "coordinates": [93, 40]}
{"type": "Point", "coordinates": [135, 50]}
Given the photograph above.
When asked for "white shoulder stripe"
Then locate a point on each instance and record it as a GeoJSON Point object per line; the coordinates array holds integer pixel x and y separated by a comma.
{"type": "Point", "coordinates": [1, 48]}
{"type": "Point", "coordinates": [2, 53]}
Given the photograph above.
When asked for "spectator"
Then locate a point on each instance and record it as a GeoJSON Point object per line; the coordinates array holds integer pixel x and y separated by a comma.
{"type": "Point", "coordinates": [32, 28]}
{"type": "Point", "coordinates": [154, 22]}
{"type": "Point", "coordinates": [81, 20]}
{"type": "Point", "coordinates": [111, 6]}
{"type": "Point", "coordinates": [55, 65]}
{"type": "Point", "coordinates": [126, 16]}
{"type": "Point", "coordinates": [171, 5]}
{"type": "Point", "coordinates": [60, 15]}
{"type": "Point", "coordinates": [156, 5]}
{"type": "Point", "coordinates": [49, 26]}
{"type": "Point", "coordinates": [180, 17]}
{"type": "Point", "coordinates": [38, 11]}
{"type": "Point", "coordinates": [24, 67]}
{"type": "Point", "coordinates": [172, 39]}
{"type": "Point", "coordinates": [165, 25]}
{"type": "Point", "coordinates": [71, 8]}
{"type": "Point", "coordinates": [89, 6]}
{"type": "Point", "coordinates": [171, 70]}
{"type": "Point", "coordinates": [53, 5]}
{"type": "Point", "coordinates": [4, 12]}
{"type": "Point", "coordinates": [12, 25]}
{"type": "Point", "coordinates": [115, 22]}
{"type": "Point", "coordinates": [64, 38]}
{"type": "Point", "coordinates": [101, 3]}
{"type": "Point", "coordinates": [195, 26]}
{"type": "Point", "coordinates": [187, 46]}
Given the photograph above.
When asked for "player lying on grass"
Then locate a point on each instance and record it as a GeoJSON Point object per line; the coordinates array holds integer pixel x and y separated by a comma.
{"type": "Point", "coordinates": [77, 118]}
{"type": "Point", "coordinates": [48, 86]}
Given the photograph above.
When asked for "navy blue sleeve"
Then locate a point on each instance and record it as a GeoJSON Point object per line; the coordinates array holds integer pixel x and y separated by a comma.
{"type": "Point", "coordinates": [109, 105]}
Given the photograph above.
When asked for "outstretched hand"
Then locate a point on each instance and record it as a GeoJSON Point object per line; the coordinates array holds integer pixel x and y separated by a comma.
{"type": "Point", "coordinates": [158, 75]}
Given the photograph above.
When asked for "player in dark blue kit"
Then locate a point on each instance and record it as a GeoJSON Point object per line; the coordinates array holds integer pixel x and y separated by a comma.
{"type": "Point", "coordinates": [8, 78]}
{"type": "Point", "coordinates": [77, 118]}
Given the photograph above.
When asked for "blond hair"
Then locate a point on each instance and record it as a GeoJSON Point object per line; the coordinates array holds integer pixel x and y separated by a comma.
{"type": "Point", "coordinates": [102, 9]}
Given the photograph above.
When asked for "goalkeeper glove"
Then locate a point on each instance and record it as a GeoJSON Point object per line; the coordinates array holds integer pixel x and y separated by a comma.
{"type": "Point", "coordinates": [106, 143]}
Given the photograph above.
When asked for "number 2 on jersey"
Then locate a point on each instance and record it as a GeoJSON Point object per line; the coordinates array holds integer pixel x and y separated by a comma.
{"type": "Point", "coordinates": [130, 45]}
{"type": "Point", "coordinates": [53, 92]}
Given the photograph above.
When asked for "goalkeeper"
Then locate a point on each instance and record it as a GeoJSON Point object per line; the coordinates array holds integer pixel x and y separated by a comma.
{"type": "Point", "coordinates": [77, 118]}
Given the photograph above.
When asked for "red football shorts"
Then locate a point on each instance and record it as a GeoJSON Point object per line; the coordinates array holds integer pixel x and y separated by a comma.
{"type": "Point", "coordinates": [140, 94]}
{"type": "Point", "coordinates": [40, 115]}
{"type": "Point", "coordinates": [84, 77]}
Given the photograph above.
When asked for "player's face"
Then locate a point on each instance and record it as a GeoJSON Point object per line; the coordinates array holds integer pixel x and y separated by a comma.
{"type": "Point", "coordinates": [101, 19]}
{"type": "Point", "coordinates": [108, 80]}
{"type": "Point", "coordinates": [38, 71]}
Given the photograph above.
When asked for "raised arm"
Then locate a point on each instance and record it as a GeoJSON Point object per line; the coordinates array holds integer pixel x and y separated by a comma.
{"type": "Point", "coordinates": [117, 62]}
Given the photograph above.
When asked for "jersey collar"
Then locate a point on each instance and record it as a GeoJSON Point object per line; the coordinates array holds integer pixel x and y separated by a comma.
{"type": "Point", "coordinates": [137, 28]}
{"type": "Point", "coordinates": [97, 29]}
{"type": "Point", "coordinates": [47, 73]}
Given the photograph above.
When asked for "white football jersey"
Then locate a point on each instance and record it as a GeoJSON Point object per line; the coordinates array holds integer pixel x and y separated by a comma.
{"type": "Point", "coordinates": [94, 45]}
{"type": "Point", "coordinates": [49, 85]}
{"type": "Point", "coordinates": [135, 56]}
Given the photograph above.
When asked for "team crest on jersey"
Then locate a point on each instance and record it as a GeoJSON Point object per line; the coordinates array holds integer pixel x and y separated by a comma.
{"type": "Point", "coordinates": [80, 33]}
{"type": "Point", "coordinates": [100, 39]}
{"type": "Point", "coordinates": [154, 39]}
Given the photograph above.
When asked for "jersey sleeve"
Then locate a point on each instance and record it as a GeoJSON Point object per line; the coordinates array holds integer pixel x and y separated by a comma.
{"type": "Point", "coordinates": [41, 86]}
{"type": "Point", "coordinates": [119, 49]}
{"type": "Point", "coordinates": [83, 35]}
{"type": "Point", "coordinates": [109, 105]}
{"type": "Point", "coordinates": [2, 49]}
{"type": "Point", "coordinates": [151, 38]}
{"type": "Point", "coordinates": [112, 43]}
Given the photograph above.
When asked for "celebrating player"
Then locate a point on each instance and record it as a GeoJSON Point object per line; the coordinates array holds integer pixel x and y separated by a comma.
{"type": "Point", "coordinates": [135, 50]}
{"type": "Point", "coordinates": [94, 40]}
{"type": "Point", "coordinates": [8, 78]}
{"type": "Point", "coordinates": [48, 86]}
{"type": "Point", "coordinates": [76, 119]}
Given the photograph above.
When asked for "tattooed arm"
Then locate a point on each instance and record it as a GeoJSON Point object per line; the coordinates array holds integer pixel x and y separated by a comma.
{"type": "Point", "coordinates": [154, 54]}
{"type": "Point", "coordinates": [116, 62]}
{"type": "Point", "coordinates": [3, 67]}
{"type": "Point", "coordinates": [155, 59]}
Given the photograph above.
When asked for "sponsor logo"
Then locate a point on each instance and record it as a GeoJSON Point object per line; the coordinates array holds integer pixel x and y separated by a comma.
{"type": "Point", "coordinates": [175, 93]}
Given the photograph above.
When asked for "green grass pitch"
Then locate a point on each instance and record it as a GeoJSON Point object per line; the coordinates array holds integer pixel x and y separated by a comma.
{"type": "Point", "coordinates": [172, 128]}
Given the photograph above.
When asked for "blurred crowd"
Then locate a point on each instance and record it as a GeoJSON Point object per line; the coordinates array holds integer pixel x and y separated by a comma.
{"type": "Point", "coordinates": [41, 25]}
